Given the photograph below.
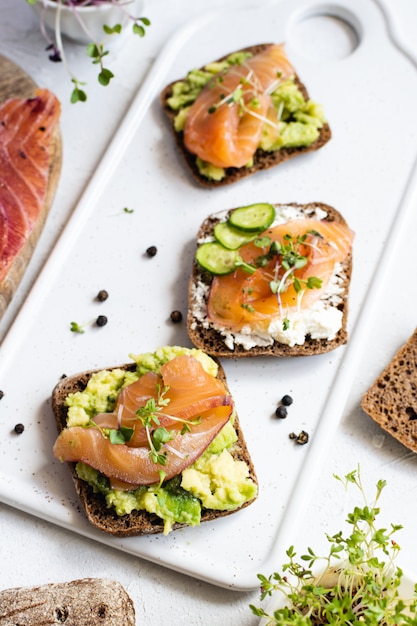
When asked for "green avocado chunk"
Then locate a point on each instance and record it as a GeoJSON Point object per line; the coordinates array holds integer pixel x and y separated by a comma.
{"type": "Point", "coordinates": [300, 120]}
{"type": "Point", "coordinates": [171, 503]}
{"type": "Point", "coordinates": [208, 170]}
{"type": "Point", "coordinates": [216, 481]}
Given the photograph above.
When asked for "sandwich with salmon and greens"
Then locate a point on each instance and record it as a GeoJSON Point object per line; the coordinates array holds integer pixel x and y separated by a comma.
{"type": "Point", "coordinates": [271, 279]}
{"type": "Point", "coordinates": [154, 445]}
{"type": "Point", "coordinates": [246, 112]}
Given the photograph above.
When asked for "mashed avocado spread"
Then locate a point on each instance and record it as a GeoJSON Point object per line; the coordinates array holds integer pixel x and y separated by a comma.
{"type": "Point", "coordinates": [215, 481]}
{"type": "Point", "coordinates": [300, 119]}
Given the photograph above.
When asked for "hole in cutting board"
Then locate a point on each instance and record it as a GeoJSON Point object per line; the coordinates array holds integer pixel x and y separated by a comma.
{"type": "Point", "coordinates": [324, 36]}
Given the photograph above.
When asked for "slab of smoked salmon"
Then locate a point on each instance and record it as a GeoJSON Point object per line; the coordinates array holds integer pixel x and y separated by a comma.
{"type": "Point", "coordinates": [15, 83]}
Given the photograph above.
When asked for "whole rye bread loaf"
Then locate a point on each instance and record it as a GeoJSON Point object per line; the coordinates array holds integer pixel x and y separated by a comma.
{"type": "Point", "coordinates": [82, 602]}
{"type": "Point", "coordinates": [94, 505]}
{"type": "Point", "coordinates": [207, 338]}
{"type": "Point", "coordinates": [262, 160]}
{"type": "Point", "coordinates": [391, 401]}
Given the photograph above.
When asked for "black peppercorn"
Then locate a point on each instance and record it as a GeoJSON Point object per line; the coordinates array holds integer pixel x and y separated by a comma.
{"type": "Point", "coordinates": [102, 295]}
{"type": "Point", "coordinates": [151, 251]}
{"type": "Point", "coordinates": [286, 400]}
{"type": "Point", "coordinates": [302, 438]}
{"type": "Point", "coordinates": [281, 412]}
{"type": "Point", "coordinates": [19, 428]}
{"type": "Point", "coordinates": [176, 317]}
{"type": "Point", "coordinates": [101, 320]}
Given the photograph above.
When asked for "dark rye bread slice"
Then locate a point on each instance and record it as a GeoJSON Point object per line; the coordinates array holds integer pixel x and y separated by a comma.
{"type": "Point", "coordinates": [137, 522]}
{"type": "Point", "coordinates": [212, 342]}
{"type": "Point", "coordinates": [262, 160]}
{"type": "Point", "coordinates": [82, 602]}
{"type": "Point", "coordinates": [391, 401]}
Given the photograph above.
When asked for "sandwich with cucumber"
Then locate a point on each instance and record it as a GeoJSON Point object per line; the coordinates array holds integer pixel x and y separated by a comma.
{"type": "Point", "coordinates": [246, 112]}
{"type": "Point", "coordinates": [271, 279]}
{"type": "Point", "coordinates": [154, 445]}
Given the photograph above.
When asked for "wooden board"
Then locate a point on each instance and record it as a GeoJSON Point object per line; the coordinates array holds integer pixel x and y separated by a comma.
{"type": "Point", "coordinates": [15, 83]}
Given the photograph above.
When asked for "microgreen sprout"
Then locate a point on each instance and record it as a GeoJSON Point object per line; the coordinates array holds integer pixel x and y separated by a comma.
{"type": "Point", "coordinates": [120, 435]}
{"type": "Point", "coordinates": [246, 96]}
{"type": "Point", "coordinates": [288, 259]}
{"type": "Point", "coordinates": [95, 49]}
{"type": "Point", "coordinates": [75, 327]}
{"type": "Point", "coordinates": [157, 435]}
{"type": "Point", "coordinates": [358, 582]}
{"type": "Point", "coordinates": [246, 267]}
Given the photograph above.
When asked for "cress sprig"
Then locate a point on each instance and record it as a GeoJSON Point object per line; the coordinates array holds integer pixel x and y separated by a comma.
{"type": "Point", "coordinates": [237, 97]}
{"type": "Point", "coordinates": [289, 259]}
{"type": "Point", "coordinates": [157, 435]}
{"type": "Point", "coordinates": [362, 589]}
{"type": "Point", "coordinates": [95, 50]}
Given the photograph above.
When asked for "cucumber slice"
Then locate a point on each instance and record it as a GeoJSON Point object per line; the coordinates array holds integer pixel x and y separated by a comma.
{"type": "Point", "coordinates": [254, 217]}
{"type": "Point", "coordinates": [216, 258]}
{"type": "Point", "coordinates": [231, 237]}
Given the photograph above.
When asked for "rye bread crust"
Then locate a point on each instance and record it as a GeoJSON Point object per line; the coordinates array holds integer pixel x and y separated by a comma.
{"type": "Point", "coordinates": [262, 160]}
{"type": "Point", "coordinates": [94, 505]}
{"type": "Point", "coordinates": [82, 602]}
{"type": "Point", "coordinates": [391, 401]}
{"type": "Point", "coordinates": [212, 341]}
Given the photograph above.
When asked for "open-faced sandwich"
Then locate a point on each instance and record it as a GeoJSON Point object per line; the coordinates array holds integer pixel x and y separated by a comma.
{"type": "Point", "coordinates": [246, 112]}
{"type": "Point", "coordinates": [154, 445]}
{"type": "Point", "coordinates": [30, 164]}
{"type": "Point", "coordinates": [271, 280]}
{"type": "Point", "coordinates": [391, 400]}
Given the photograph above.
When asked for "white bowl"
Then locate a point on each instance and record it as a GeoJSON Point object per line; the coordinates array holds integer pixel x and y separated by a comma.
{"type": "Point", "coordinates": [88, 26]}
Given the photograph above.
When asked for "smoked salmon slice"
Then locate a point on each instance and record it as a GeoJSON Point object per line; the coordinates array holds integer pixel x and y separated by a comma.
{"type": "Point", "coordinates": [27, 129]}
{"type": "Point", "coordinates": [134, 465]}
{"type": "Point", "coordinates": [272, 291]}
{"type": "Point", "coordinates": [224, 124]}
{"type": "Point", "coordinates": [183, 393]}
